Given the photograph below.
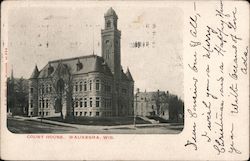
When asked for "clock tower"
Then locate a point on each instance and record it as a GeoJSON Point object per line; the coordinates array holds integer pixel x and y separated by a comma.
{"type": "Point", "coordinates": [111, 43]}
{"type": "Point", "coordinates": [111, 54]}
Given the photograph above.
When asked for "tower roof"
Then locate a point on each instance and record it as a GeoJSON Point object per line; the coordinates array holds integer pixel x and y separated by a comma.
{"type": "Point", "coordinates": [129, 76]}
{"type": "Point", "coordinates": [35, 73]}
{"type": "Point", "coordinates": [110, 12]}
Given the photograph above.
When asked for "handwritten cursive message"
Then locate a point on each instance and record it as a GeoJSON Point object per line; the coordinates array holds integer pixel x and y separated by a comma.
{"type": "Point", "coordinates": [218, 65]}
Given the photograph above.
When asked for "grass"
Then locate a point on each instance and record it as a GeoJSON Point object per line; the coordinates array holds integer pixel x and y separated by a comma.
{"type": "Point", "coordinates": [101, 121]}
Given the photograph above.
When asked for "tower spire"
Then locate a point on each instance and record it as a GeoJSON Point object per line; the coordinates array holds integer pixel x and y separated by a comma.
{"type": "Point", "coordinates": [35, 73]}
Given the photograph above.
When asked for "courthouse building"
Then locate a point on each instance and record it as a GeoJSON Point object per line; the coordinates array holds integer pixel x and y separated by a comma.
{"type": "Point", "coordinates": [85, 86]}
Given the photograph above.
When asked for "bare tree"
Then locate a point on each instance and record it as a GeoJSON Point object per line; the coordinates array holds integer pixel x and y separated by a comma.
{"type": "Point", "coordinates": [160, 99]}
{"type": "Point", "coordinates": [62, 83]}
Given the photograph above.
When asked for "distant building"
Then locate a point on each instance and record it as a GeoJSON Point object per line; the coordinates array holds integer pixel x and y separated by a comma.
{"type": "Point", "coordinates": [85, 86]}
{"type": "Point", "coordinates": [152, 104]}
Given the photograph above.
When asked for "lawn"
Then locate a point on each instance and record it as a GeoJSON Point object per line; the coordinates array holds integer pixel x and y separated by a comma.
{"type": "Point", "coordinates": [101, 121]}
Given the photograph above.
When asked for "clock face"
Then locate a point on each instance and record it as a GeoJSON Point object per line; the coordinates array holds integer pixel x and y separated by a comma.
{"type": "Point", "coordinates": [107, 42]}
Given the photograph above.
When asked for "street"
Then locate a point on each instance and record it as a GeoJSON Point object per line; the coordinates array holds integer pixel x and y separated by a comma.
{"type": "Point", "coordinates": [22, 126]}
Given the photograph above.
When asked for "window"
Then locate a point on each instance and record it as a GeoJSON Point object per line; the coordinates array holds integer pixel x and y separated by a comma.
{"type": "Point", "coordinates": [76, 113]}
{"type": "Point", "coordinates": [78, 66]}
{"type": "Point", "coordinates": [107, 53]}
{"type": "Point", "coordinates": [40, 113]}
{"type": "Point", "coordinates": [90, 85]}
{"type": "Point", "coordinates": [47, 113]}
{"type": "Point", "coordinates": [85, 113]}
{"type": "Point", "coordinates": [97, 85]}
{"type": "Point", "coordinates": [85, 86]}
{"type": "Point", "coordinates": [97, 103]}
{"type": "Point", "coordinates": [97, 114]}
{"type": "Point", "coordinates": [47, 103]}
{"type": "Point", "coordinates": [90, 102]}
{"type": "Point", "coordinates": [90, 113]}
{"type": "Point", "coordinates": [85, 102]}
{"type": "Point", "coordinates": [31, 113]}
{"type": "Point", "coordinates": [31, 90]}
{"type": "Point", "coordinates": [76, 104]}
{"type": "Point", "coordinates": [80, 102]}
{"type": "Point", "coordinates": [108, 24]}
{"type": "Point", "coordinates": [76, 86]}
{"type": "Point", "coordinates": [31, 103]}
{"type": "Point", "coordinates": [80, 113]}
{"type": "Point", "coordinates": [42, 103]}
{"type": "Point", "coordinates": [80, 86]}
{"type": "Point", "coordinates": [73, 102]}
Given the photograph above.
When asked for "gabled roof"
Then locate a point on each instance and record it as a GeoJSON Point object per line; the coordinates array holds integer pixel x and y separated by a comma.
{"type": "Point", "coordinates": [129, 76]}
{"type": "Point", "coordinates": [35, 73]}
{"type": "Point", "coordinates": [123, 76]}
{"type": "Point", "coordinates": [90, 63]}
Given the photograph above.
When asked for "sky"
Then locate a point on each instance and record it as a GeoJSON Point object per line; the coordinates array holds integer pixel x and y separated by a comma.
{"type": "Point", "coordinates": [38, 34]}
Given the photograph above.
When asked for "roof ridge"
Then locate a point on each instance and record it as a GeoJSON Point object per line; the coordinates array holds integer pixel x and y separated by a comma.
{"type": "Point", "coordinates": [73, 58]}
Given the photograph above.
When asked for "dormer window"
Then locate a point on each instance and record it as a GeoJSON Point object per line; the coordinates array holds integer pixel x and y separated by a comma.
{"type": "Point", "coordinates": [50, 70]}
{"type": "Point", "coordinates": [79, 66]}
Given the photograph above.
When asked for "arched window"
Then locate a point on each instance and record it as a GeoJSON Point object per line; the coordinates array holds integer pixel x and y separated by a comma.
{"type": "Point", "coordinates": [108, 23]}
{"type": "Point", "coordinates": [85, 86]}
{"type": "Point", "coordinates": [76, 86]}
{"type": "Point", "coordinates": [79, 65]}
{"type": "Point", "coordinates": [97, 85]}
{"type": "Point", "coordinates": [90, 85]}
{"type": "Point", "coordinates": [80, 86]}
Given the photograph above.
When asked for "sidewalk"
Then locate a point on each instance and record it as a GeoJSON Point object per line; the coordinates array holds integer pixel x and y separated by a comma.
{"type": "Point", "coordinates": [131, 126]}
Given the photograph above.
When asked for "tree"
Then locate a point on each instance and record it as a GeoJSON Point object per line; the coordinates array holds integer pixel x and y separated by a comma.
{"type": "Point", "coordinates": [17, 96]}
{"type": "Point", "coordinates": [175, 105]}
{"type": "Point", "coordinates": [176, 108]}
{"type": "Point", "coordinates": [62, 82]}
{"type": "Point", "coordinates": [160, 99]}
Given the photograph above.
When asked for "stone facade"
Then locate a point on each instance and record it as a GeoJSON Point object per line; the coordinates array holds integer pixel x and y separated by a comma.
{"type": "Point", "coordinates": [85, 86]}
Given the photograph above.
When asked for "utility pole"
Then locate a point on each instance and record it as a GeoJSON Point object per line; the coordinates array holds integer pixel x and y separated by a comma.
{"type": "Point", "coordinates": [42, 101]}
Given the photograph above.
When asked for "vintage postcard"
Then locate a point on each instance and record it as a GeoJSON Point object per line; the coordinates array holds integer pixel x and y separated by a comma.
{"type": "Point", "coordinates": [125, 80]}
